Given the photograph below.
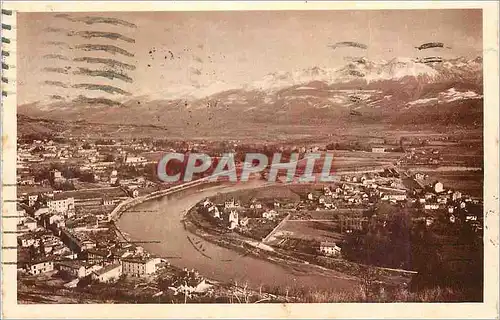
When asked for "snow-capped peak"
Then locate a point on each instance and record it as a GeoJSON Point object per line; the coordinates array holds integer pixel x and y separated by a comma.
{"type": "Point", "coordinates": [285, 79]}
{"type": "Point", "coordinates": [399, 68]}
{"type": "Point", "coordinates": [356, 69]}
{"type": "Point", "coordinates": [190, 92]}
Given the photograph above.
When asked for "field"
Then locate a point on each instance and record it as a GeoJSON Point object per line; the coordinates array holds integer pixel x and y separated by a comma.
{"type": "Point", "coordinates": [111, 192]}
{"type": "Point", "coordinates": [32, 189]}
{"type": "Point", "coordinates": [308, 230]}
{"type": "Point", "coordinates": [263, 194]}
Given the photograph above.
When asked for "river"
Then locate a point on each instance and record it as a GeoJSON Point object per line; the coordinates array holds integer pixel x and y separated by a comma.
{"type": "Point", "coordinates": [160, 220]}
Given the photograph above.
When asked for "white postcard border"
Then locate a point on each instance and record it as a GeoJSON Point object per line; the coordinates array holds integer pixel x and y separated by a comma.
{"type": "Point", "coordinates": [487, 309]}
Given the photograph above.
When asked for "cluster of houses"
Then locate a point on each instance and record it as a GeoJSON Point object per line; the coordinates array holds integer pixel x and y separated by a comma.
{"type": "Point", "coordinates": [97, 161]}
{"type": "Point", "coordinates": [54, 209]}
{"type": "Point", "coordinates": [457, 205]}
{"type": "Point", "coordinates": [330, 249]}
{"type": "Point", "coordinates": [422, 157]}
{"type": "Point", "coordinates": [100, 265]}
{"type": "Point", "coordinates": [47, 209]}
{"type": "Point", "coordinates": [88, 250]}
{"type": "Point", "coordinates": [234, 214]}
{"type": "Point", "coordinates": [356, 191]}
{"type": "Point", "coordinates": [70, 231]}
{"type": "Point", "coordinates": [353, 196]}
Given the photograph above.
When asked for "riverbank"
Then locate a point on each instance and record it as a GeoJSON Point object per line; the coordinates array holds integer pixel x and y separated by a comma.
{"type": "Point", "coordinates": [244, 246]}
{"type": "Point", "coordinates": [227, 261]}
{"type": "Point", "coordinates": [159, 224]}
{"type": "Point", "coordinates": [347, 270]}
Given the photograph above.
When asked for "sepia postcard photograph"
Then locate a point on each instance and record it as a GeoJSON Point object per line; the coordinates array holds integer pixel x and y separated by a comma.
{"type": "Point", "coordinates": [312, 158]}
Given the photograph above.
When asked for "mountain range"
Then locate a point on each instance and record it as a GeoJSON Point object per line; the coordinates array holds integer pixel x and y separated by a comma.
{"type": "Point", "coordinates": [401, 91]}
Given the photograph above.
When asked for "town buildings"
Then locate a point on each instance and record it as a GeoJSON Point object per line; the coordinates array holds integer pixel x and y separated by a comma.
{"type": "Point", "coordinates": [378, 149]}
{"type": "Point", "coordinates": [41, 266]}
{"type": "Point", "coordinates": [72, 268]}
{"type": "Point", "coordinates": [64, 206]}
{"type": "Point", "coordinates": [233, 219]}
{"type": "Point", "coordinates": [139, 266]}
{"type": "Point", "coordinates": [77, 217]}
{"type": "Point", "coordinates": [107, 273]}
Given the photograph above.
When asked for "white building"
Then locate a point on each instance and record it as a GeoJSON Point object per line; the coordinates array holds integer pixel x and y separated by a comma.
{"type": "Point", "coordinates": [438, 187]}
{"type": "Point", "coordinates": [64, 206]}
{"type": "Point", "coordinates": [255, 204]}
{"type": "Point", "coordinates": [470, 217]}
{"type": "Point", "coordinates": [431, 206]}
{"type": "Point", "coordinates": [138, 267]}
{"type": "Point", "coordinates": [419, 176]}
{"type": "Point", "coordinates": [271, 214]}
{"type": "Point", "coordinates": [107, 201]}
{"type": "Point", "coordinates": [327, 191]}
{"type": "Point", "coordinates": [233, 219]}
{"type": "Point", "coordinates": [28, 239]}
{"type": "Point", "coordinates": [397, 197]}
{"type": "Point", "coordinates": [135, 160]}
{"type": "Point", "coordinates": [378, 149]}
{"type": "Point", "coordinates": [40, 212]}
{"type": "Point", "coordinates": [214, 211]}
{"type": "Point", "coordinates": [32, 199]}
{"type": "Point", "coordinates": [453, 218]}
{"type": "Point", "coordinates": [329, 248]}
{"type": "Point", "coordinates": [456, 195]}
{"type": "Point", "coordinates": [228, 204]}
{"type": "Point", "coordinates": [40, 267]}
{"type": "Point", "coordinates": [429, 221]}
{"type": "Point", "coordinates": [21, 215]}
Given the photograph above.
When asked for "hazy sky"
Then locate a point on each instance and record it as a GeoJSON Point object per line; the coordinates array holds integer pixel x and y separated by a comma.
{"type": "Point", "coordinates": [231, 47]}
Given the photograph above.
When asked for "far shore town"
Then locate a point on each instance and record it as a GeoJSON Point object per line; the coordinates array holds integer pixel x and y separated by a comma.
{"type": "Point", "coordinates": [394, 225]}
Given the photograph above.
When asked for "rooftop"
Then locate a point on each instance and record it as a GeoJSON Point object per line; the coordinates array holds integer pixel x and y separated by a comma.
{"type": "Point", "coordinates": [138, 259]}
{"type": "Point", "coordinates": [106, 269]}
{"type": "Point", "coordinates": [70, 263]}
{"type": "Point", "coordinates": [328, 244]}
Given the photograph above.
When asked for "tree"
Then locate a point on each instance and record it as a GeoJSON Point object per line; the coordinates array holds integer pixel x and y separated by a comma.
{"type": "Point", "coordinates": [32, 252]}
{"type": "Point", "coordinates": [41, 248]}
{"type": "Point", "coordinates": [87, 177]}
{"type": "Point", "coordinates": [109, 158]}
{"type": "Point", "coordinates": [368, 283]}
{"type": "Point", "coordinates": [400, 240]}
{"type": "Point", "coordinates": [67, 186]}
